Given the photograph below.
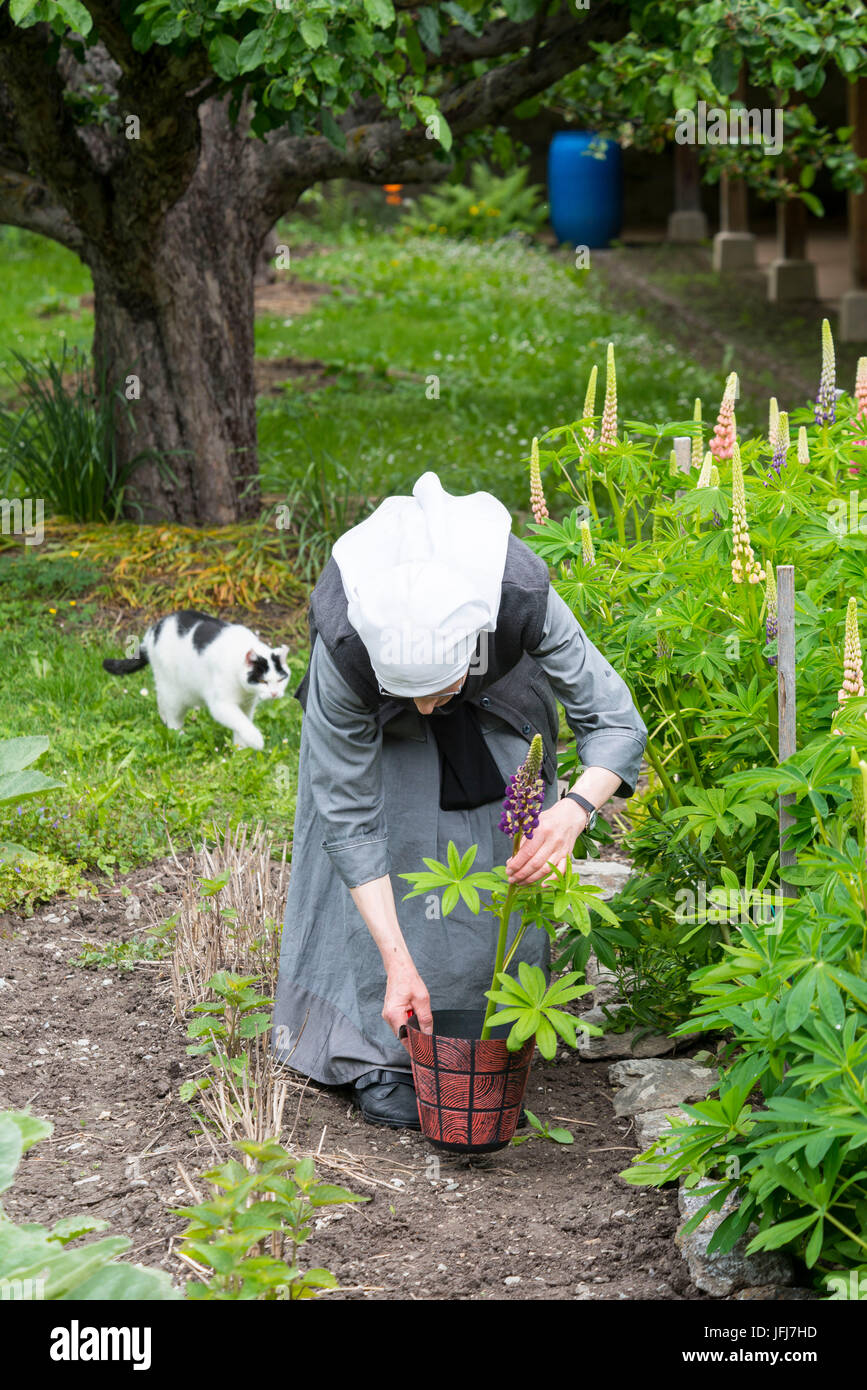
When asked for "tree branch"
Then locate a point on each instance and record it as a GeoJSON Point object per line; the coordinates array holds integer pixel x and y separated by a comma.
{"type": "Point", "coordinates": [26, 203]}
{"type": "Point", "coordinates": [45, 128]}
{"type": "Point", "coordinates": [284, 165]}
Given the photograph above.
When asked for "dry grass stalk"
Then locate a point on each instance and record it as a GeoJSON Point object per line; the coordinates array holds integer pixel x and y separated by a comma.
{"type": "Point", "coordinates": [237, 928]}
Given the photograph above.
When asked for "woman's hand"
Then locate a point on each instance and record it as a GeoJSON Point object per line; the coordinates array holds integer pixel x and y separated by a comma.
{"type": "Point", "coordinates": [406, 990]}
{"type": "Point", "coordinates": [552, 843]}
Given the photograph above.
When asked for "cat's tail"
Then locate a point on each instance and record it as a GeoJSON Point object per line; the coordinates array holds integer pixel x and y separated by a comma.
{"type": "Point", "coordinates": [125, 668]}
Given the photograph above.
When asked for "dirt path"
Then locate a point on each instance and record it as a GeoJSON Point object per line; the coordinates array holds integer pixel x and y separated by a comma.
{"type": "Point", "coordinates": [100, 1054]}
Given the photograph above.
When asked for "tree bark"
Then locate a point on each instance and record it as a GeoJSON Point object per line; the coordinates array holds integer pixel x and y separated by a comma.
{"type": "Point", "coordinates": [174, 329]}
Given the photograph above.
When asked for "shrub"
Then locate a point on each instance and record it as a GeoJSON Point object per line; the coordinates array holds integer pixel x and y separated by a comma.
{"type": "Point", "coordinates": [491, 206]}
{"type": "Point", "coordinates": [62, 445]}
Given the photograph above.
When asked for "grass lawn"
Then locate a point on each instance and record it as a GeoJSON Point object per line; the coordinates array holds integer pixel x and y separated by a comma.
{"type": "Point", "coordinates": [509, 331]}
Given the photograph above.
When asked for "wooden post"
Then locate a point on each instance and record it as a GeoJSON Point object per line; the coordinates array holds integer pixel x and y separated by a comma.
{"type": "Point", "coordinates": [786, 702]}
{"type": "Point", "coordinates": [853, 304]}
{"type": "Point", "coordinates": [683, 458]}
{"type": "Point", "coordinates": [683, 452]}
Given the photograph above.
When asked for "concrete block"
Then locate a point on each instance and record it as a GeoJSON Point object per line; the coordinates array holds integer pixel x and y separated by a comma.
{"type": "Point", "coordinates": [791, 280]}
{"type": "Point", "coordinates": [853, 317]}
{"type": "Point", "coordinates": [734, 251]}
{"type": "Point", "coordinates": [687, 226]}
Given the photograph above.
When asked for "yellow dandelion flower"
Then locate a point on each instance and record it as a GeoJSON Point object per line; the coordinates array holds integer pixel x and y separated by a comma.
{"type": "Point", "coordinates": [52, 610]}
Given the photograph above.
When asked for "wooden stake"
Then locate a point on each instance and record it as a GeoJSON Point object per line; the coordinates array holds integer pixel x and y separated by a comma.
{"type": "Point", "coordinates": [786, 702]}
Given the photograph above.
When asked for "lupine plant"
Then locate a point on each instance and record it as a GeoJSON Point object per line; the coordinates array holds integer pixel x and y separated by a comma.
{"type": "Point", "coordinates": [790, 994]}
{"type": "Point", "coordinates": [531, 1005]}
{"type": "Point", "coordinates": [680, 600]}
{"type": "Point", "coordinates": [782, 978]}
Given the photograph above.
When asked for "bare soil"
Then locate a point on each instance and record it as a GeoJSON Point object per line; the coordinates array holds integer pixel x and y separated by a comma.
{"type": "Point", "coordinates": [100, 1054]}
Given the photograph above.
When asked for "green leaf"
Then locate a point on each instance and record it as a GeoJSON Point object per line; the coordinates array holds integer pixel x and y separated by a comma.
{"type": "Point", "coordinates": [428, 28]}
{"type": "Point", "coordinates": [313, 32]}
{"type": "Point", "coordinates": [223, 55]}
{"type": "Point", "coordinates": [251, 51]}
{"type": "Point", "coordinates": [799, 1000]}
{"type": "Point", "coordinates": [331, 130]}
{"type": "Point", "coordinates": [380, 12]}
{"type": "Point", "coordinates": [20, 9]}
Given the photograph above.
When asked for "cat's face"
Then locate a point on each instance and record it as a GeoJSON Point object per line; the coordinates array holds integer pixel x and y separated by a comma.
{"type": "Point", "coordinates": [265, 671]}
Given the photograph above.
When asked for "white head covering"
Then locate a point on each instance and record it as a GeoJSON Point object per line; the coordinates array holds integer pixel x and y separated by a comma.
{"type": "Point", "coordinates": [423, 577]}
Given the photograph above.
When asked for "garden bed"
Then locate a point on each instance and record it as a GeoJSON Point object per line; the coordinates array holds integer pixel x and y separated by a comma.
{"type": "Point", "coordinates": [100, 1053]}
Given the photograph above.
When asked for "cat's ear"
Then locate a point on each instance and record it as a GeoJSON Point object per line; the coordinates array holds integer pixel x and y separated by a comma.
{"type": "Point", "coordinates": [250, 657]}
{"type": "Point", "coordinates": [283, 651]}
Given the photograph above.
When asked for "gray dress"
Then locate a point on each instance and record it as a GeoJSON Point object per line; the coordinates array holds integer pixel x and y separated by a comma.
{"type": "Point", "coordinates": [368, 804]}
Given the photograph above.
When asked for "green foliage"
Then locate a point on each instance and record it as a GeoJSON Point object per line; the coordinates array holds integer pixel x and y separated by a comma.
{"type": "Point", "coordinates": [126, 955]}
{"type": "Point", "coordinates": [28, 878]}
{"type": "Point", "coordinates": [489, 207]}
{"type": "Point", "coordinates": [63, 444]}
{"type": "Point", "coordinates": [661, 603]}
{"type": "Point", "coordinates": [43, 1262]}
{"type": "Point", "coordinates": [542, 1130]}
{"type": "Point", "coordinates": [533, 1009]}
{"type": "Point", "coordinates": [560, 898]}
{"type": "Point", "coordinates": [672, 56]}
{"type": "Point", "coordinates": [46, 577]}
{"type": "Point", "coordinates": [225, 1025]}
{"type": "Point", "coordinates": [792, 996]}
{"type": "Point", "coordinates": [267, 1206]}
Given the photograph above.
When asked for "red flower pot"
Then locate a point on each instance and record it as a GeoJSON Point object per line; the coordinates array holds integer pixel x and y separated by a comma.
{"type": "Point", "coordinates": [469, 1092]}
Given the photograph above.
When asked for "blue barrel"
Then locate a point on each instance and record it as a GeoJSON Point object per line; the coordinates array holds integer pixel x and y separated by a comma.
{"type": "Point", "coordinates": [585, 189]}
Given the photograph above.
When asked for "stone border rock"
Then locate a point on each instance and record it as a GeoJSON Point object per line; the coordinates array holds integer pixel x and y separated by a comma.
{"type": "Point", "coordinates": [651, 1091]}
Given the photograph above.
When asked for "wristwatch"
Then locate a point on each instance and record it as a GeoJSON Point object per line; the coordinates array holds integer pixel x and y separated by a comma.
{"type": "Point", "coordinates": [592, 813]}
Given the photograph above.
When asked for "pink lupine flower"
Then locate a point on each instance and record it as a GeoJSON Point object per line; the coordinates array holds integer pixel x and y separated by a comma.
{"type": "Point", "coordinates": [537, 496]}
{"type": "Point", "coordinates": [608, 431]}
{"type": "Point", "coordinates": [861, 389]}
{"type": "Point", "coordinates": [725, 430]}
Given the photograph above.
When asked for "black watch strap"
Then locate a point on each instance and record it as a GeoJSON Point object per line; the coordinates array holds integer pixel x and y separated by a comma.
{"type": "Point", "coordinates": [585, 805]}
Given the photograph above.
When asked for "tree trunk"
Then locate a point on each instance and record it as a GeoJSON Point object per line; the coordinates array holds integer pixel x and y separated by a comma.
{"type": "Point", "coordinates": [174, 328]}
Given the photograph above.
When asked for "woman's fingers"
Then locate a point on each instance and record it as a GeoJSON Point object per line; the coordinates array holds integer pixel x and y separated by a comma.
{"type": "Point", "coordinates": [534, 864]}
{"type": "Point", "coordinates": [405, 995]}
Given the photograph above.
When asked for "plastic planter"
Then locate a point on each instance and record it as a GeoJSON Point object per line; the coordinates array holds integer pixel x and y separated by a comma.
{"type": "Point", "coordinates": [469, 1092]}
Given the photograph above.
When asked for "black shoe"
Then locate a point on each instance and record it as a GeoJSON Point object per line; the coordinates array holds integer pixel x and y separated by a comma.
{"type": "Point", "coordinates": [387, 1098]}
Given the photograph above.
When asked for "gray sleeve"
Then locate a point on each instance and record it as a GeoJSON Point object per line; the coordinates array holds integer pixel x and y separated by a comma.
{"type": "Point", "coordinates": [343, 746]}
{"type": "Point", "coordinates": [609, 731]}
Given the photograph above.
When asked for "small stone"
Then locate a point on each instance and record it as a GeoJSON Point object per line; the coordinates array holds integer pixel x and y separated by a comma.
{"type": "Point", "coordinates": [723, 1274]}
{"type": "Point", "coordinates": [658, 1083]}
{"type": "Point", "coordinates": [512, 1279]}
{"type": "Point", "coordinates": [628, 1044]}
{"type": "Point", "coordinates": [650, 1125]}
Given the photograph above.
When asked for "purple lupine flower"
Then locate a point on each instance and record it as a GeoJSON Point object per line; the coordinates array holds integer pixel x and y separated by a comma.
{"type": "Point", "coordinates": [524, 795]}
{"type": "Point", "coordinates": [826, 401]}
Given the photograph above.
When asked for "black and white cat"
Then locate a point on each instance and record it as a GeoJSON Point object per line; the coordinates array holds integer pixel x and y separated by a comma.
{"type": "Point", "coordinates": [197, 660]}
